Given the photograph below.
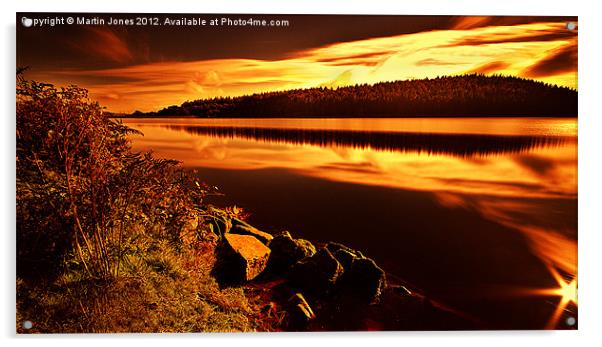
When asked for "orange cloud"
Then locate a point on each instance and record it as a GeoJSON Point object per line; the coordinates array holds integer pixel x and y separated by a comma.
{"type": "Point", "coordinates": [489, 68]}
{"type": "Point", "coordinates": [470, 22]}
{"type": "Point", "coordinates": [544, 51]}
{"type": "Point", "coordinates": [560, 60]}
{"type": "Point", "coordinates": [343, 79]}
{"type": "Point", "coordinates": [105, 43]}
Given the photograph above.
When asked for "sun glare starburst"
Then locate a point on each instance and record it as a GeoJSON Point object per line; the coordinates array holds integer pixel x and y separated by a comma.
{"type": "Point", "coordinates": [566, 291]}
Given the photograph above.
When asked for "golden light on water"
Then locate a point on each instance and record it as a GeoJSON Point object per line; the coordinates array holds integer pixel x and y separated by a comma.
{"type": "Point", "coordinates": [519, 190]}
{"type": "Point", "coordinates": [568, 291]}
{"type": "Point", "coordinates": [497, 186]}
{"type": "Point", "coordinates": [565, 291]}
{"type": "Point", "coordinates": [550, 173]}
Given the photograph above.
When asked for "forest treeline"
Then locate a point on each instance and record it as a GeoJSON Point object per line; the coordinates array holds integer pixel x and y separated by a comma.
{"type": "Point", "coordinates": [452, 96]}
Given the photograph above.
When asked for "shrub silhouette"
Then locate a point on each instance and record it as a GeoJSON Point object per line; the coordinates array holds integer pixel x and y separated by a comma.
{"type": "Point", "coordinates": [110, 240]}
{"type": "Point", "coordinates": [82, 191]}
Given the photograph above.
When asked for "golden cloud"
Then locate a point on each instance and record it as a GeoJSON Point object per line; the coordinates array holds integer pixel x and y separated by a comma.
{"type": "Point", "coordinates": [543, 51]}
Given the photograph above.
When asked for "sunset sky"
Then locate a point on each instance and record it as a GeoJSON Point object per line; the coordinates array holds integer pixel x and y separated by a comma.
{"type": "Point", "coordinates": [147, 68]}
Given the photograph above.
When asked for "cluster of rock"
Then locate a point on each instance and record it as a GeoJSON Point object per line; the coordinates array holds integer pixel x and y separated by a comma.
{"type": "Point", "coordinates": [327, 272]}
{"type": "Point", "coordinates": [332, 269]}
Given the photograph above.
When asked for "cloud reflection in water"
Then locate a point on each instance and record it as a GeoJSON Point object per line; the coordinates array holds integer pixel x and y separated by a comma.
{"type": "Point", "coordinates": [526, 181]}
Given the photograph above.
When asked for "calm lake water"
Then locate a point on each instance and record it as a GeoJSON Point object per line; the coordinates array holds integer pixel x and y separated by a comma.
{"type": "Point", "coordinates": [480, 214]}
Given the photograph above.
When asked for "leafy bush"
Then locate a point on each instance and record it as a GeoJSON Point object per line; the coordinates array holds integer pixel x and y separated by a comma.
{"type": "Point", "coordinates": [82, 191]}
{"type": "Point", "coordinates": [110, 240]}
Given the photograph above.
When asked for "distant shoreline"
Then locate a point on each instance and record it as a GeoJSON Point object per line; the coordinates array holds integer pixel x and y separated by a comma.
{"type": "Point", "coordinates": [466, 96]}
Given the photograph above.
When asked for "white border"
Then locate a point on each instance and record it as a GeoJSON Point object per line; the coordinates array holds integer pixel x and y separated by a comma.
{"type": "Point", "coordinates": [590, 117]}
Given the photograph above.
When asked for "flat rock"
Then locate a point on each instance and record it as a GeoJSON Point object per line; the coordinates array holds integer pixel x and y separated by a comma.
{"type": "Point", "coordinates": [245, 229]}
{"type": "Point", "coordinates": [247, 256]}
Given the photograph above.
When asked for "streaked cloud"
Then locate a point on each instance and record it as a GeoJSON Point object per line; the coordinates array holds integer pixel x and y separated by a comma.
{"type": "Point", "coordinates": [104, 43]}
{"type": "Point", "coordinates": [558, 61]}
{"type": "Point", "coordinates": [491, 67]}
{"type": "Point", "coordinates": [543, 51]}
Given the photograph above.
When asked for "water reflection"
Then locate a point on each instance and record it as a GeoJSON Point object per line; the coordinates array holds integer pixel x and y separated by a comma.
{"type": "Point", "coordinates": [470, 217]}
{"type": "Point", "coordinates": [533, 166]}
{"type": "Point", "coordinates": [462, 145]}
{"type": "Point", "coordinates": [489, 126]}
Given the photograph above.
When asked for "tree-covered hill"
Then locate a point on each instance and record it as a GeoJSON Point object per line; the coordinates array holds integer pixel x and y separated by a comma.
{"type": "Point", "coordinates": [467, 95]}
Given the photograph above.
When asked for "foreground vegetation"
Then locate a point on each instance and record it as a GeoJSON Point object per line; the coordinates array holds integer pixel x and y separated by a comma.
{"type": "Point", "coordinates": [109, 240]}
{"type": "Point", "coordinates": [452, 96]}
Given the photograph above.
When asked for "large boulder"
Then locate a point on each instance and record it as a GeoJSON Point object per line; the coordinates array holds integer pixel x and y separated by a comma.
{"type": "Point", "coordinates": [346, 258]}
{"type": "Point", "coordinates": [243, 228]}
{"type": "Point", "coordinates": [318, 273]}
{"type": "Point", "coordinates": [286, 251]}
{"type": "Point", "coordinates": [333, 247]}
{"type": "Point", "coordinates": [245, 257]}
{"type": "Point", "coordinates": [365, 279]}
{"type": "Point", "coordinates": [362, 278]}
{"type": "Point", "coordinates": [344, 254]}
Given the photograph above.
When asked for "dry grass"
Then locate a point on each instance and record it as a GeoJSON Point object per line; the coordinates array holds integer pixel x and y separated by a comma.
{"type": "Point", "coordinates": [163, 291]}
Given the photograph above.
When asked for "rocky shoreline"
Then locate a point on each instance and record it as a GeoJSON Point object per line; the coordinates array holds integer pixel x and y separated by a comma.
{"type": "Point", "coordinates": [321, 287]}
